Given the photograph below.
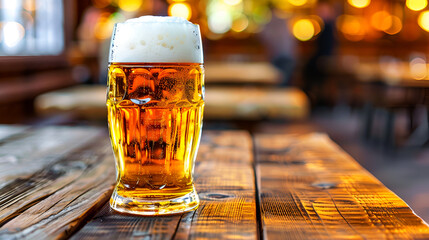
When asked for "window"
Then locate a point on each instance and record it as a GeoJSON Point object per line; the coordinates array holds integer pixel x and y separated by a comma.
{"type": "Point", "coordinates": [31, 27]}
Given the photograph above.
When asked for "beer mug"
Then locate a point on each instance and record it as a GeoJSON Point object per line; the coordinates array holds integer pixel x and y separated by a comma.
{"type": "Point", "coordinates": [155, 103]}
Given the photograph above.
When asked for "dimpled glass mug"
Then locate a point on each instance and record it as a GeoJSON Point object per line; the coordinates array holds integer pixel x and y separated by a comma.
{"type": "Point", "coordinates": [155, 103]}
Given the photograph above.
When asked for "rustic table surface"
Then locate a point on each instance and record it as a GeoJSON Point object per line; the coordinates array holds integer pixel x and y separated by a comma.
{"type": "Point", "coordinates": [55, 183]}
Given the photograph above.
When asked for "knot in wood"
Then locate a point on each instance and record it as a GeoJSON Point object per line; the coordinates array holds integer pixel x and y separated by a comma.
{"type": "Point", "coordinates": [215, 196]}
{"type": "Point", "coordinates": [324, 185]}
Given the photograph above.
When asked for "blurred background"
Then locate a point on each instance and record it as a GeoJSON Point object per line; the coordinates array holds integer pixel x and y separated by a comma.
{"type": "Point", "coordinates": [355, 69]}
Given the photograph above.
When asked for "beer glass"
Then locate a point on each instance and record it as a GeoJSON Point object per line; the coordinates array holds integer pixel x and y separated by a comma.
{"type": "Point", "coordinates": [155, 103]}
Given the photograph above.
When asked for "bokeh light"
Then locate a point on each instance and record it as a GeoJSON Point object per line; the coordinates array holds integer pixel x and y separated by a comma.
{"type": "Point", "coordinates": [353, 27]}
{"type": "Point", "coordinates": [359, 3]}
{"type": "Point", "coordinates": [254, 27]}
{"type": "Point", "coordinates": [282, 4]}
{"type": "Point", "coordinates": [219, 22]}
{"type": "Point", "coordinates": [418, 68]}
{"type": "Point", "coordinates": [261, 15]}
{"type": "Point", "coordinates": [298, 2]}
{"type": "Point", "coordinates": [13, 33]}
{"type": "Point", "coordinates": [381, 20]}
{"type": "Point", "coordinates": [424, 20]}
{"type": "Point", "coordinates": [180, 10]}
{"type": "Point", "coordinates": [240, 23]}
{"type": "Point", "coordinates": [232, 2]}
{"type": "Point", "coordinates": [395, 26]}
{"type": "Point", "coordinates": [416, 5]}
{"type": "Point", "coordinates": [130, 5]}
{"type": "Point", "coordinates": [1, 32]}
{"type": "Point", "coordinates": [105, 23]}
{"type": "Point", "coordinates": [303, 29]}
{"type": "Point", "coordinates": [317, 23]}
{"type": "Point", "coordinates": [29, 5]}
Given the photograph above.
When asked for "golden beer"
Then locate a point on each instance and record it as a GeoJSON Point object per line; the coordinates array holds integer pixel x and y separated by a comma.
{"type": "Point", "coordinates": [155, 113]}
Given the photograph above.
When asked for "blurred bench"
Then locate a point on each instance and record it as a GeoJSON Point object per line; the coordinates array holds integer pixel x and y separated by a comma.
{"type": "Point", "coordinates": [252, 103]}
{"type": "Point", "coordinates": [239, 73]}
{"type": "Point", "coordinates": [238, 103]}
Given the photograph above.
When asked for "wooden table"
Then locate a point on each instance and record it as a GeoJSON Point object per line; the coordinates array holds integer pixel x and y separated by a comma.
{"type": "Point", "coordinates": [55, 182]}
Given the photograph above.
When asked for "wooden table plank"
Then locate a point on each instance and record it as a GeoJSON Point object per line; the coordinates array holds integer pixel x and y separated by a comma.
{"type": "Point", "coordinates": [311, 189]}
{"type": "Point", "coordinates": [37, 147]}
{"type": "Point", "coordinates": [225, 183]}
{"type": "Point", "coordinates": [55, 200]}
{"type": "Point", "coordinates": [224, 180]}
{"type": "Point", "coordinates": [7, 131]}
{"type": "Point", "coordinates": [108, 224]}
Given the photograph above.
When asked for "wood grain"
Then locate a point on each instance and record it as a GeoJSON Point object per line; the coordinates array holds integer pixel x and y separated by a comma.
{"type": "Point", "coordinates": [7, 131]}
{"type": "Point", "coordinates": [311, 189]}
{"type": "Point", "coordinates": [225, 183]}
{"type": "Point", "coordinates": [69, 186]}
{"type": "Point", "coordinates": [108, 224]}
{"type": "Point", "coordinates": [308, 188]}
{"type": "Point", "coordinates": [37, 147]}
{"type": "Point", "coordinates": [224, 180]}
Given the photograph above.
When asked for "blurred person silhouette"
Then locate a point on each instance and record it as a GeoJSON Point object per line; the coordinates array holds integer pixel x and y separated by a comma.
{"type": "Point", "coordinates": [281, 45]}
{"type": "Point", "coordinates": [316, 70]}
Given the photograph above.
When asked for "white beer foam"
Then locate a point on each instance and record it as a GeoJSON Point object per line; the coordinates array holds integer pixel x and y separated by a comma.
{"type": "Point", "coordinates": [151, 39]}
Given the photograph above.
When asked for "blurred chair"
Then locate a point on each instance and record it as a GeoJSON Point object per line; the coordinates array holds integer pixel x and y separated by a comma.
{"type": "Point", "coordinates": [386, 101]}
